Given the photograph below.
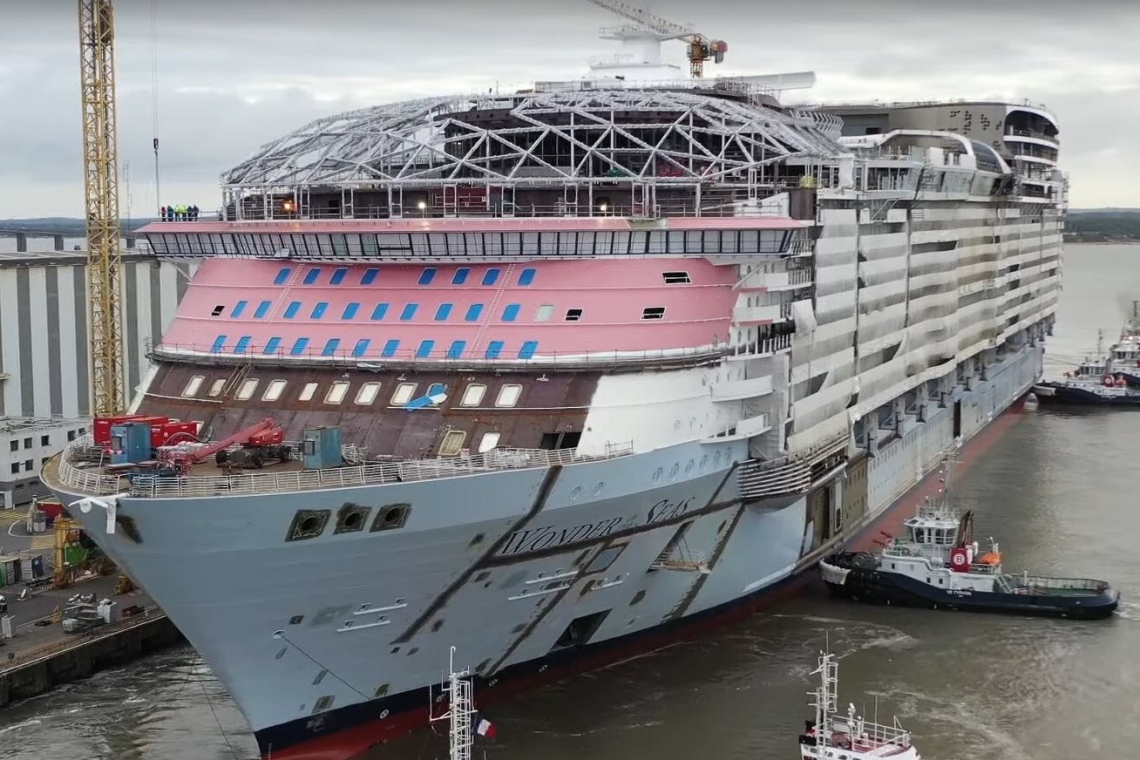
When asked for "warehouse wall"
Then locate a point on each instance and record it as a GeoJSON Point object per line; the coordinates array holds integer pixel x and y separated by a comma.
{"type": "Point", "coordinates": [43, 329]}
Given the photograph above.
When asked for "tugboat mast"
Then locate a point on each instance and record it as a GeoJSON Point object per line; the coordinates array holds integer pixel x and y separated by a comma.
{"type": "Point", "coordinates": [460, 712]}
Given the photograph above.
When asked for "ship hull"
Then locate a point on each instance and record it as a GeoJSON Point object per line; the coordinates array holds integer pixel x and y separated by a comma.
{"type": "Point", "coordinates": [877, 587]}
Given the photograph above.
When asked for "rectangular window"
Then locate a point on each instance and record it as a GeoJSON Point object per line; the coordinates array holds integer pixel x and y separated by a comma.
{"type": "Point", "coordinates": [369, 276]}
{"type": "Point", "coordinates": [452, 443]}
{"type": "Point", "coordinates": [490, 277]}
{"type": "Point", "coordinates": [390, 349]}
{"type": "Point", "coordinates": [312, 275]}
{"type": "Point", "coordinates": [494, 348]}
{"type": "Point", "coordinates": [262, 310]}
{"type": "Point", "coordinates": [508, 395]}
{"type": "Point", "coordinates": [456, 350]}
{"type": "Point", "coordinates": [292, 309]}
{"type": "Point", "coordinates": [350, 311]}
{"type": "Point", "coordinates": [424, 351]}
{"type": "Point", "coordinates": [242, 344]}
{"type": "Point", "coordinates": [45, 440]}
{"type": "Point", "coordinates": [331, 347]}
{"type": "Point", "coordinates": [274, 390]}
{"type": "Point", "coordinates": [676, 278]}
{"type": "Point", "coordinates": [273, 346]}
{"type": "Point", "coordinates": [544, 313]}
{"type": "Point", "coordinates": [337, 392]}
{"type": "Point", "coordinates": [282, 276]}
{"type": "Point", "coordinates": [299, 347]}
{"type": "Point", "coordinates": [473, 312]}
{"type": "Point", "coordinates": [361, 347]}
{"type": "Point", "coordinates": [367, 393]}
{"type": "Point", "coordinates": [247, 389]}
{"type": "Point", "coordinates": [403, 394]}
{"type": "Point", "coordinates": [653, 312]}
{"type": "Point", "coordinates": [473, 394]}
{"type": "Point", "coordinates": [239, 309]}
{"type": "Point", "coordinates": [14, 446]}
{"type": "Point", "coordinates": [427, 276]}
{"type": "Point", "coordinates": [217, 310]}
{"type": "Point", "coordinates": [319, 310]}
{"type": "Point", "coordinates": [409, 311]}
{"type": "Point", "coordinates": [191, 389]}
{"type": "Point", "coordinates": [379, 312]}
{"type": "Point", "coordinates": [528, 349]}
{"type": "Point", "coordinates": [511, 313]}
{"type": "Point", "coordinates": [217, 387]}
{"type": "Point", "coordinates": [16, 468]}
{"type": "Point", "coordinates": [338, 276]}
{"type": "Point", "coordinates": [460, 276]}
{"type": "Point", "coordinates": [526, 276]}
{"type": "Point", "coordinates": [308, 392]}
{"type": "Point", "coordinates": [219, 344]}
{"type": "Point", "coordinates": [443, 312]}
{"type": "Point", "coordinates": [573, 315]}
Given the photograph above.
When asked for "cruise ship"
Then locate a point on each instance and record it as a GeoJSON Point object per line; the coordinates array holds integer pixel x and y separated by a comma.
{"type": "Point", "coordinates": [571, 372]}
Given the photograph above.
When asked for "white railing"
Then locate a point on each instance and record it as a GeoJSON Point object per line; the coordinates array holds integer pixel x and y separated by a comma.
{"type": "Point", "coordinates": [762, 347]}
{"type": "Point", "coordinates": [143, 484]}
{"type": "Point", "coordinates": [792, 474]}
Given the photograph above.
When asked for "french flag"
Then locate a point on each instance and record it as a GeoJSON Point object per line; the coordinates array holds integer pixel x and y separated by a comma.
{"type": "Point", "coordinates": [485, 728]}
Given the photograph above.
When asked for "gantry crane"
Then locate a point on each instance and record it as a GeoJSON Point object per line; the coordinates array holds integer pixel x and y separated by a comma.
{"type": "Point", "coordinates": [701, 48]}
{"type": "Point", "coordinates": [101, 189]}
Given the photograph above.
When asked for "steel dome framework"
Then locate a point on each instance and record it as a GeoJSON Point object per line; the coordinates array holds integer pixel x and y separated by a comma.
{"type": "Point", "coordinates": [643, 137]}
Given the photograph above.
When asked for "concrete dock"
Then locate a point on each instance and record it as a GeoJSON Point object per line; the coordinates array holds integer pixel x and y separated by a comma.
{"type": "Point", "coordinates": [39, 657]}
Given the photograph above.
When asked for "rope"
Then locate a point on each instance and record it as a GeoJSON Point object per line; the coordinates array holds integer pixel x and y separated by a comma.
{"type": "Point", "coordinates": [217, 720]}
{"type": "Point", "coordinates": [283, 637]}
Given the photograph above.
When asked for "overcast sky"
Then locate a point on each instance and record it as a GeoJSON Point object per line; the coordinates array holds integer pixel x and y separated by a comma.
{"type": "Point", "coordinates": [233, 74]}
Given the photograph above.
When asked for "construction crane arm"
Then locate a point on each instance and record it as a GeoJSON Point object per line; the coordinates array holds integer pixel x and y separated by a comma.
{"type": "Point", "coordinates": [645, 18]}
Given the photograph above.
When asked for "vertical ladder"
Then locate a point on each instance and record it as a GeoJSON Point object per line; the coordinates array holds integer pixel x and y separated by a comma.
{"type": "Point", "coordinates": [492, 309]}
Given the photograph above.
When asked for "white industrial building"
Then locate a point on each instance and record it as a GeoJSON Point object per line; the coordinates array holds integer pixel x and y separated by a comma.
{"type": "Point", "coordinates": [44, 350]}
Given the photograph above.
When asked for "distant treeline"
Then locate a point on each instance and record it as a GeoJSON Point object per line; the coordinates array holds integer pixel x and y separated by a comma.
{"type": "Point", "coordinates": [1103, 226]}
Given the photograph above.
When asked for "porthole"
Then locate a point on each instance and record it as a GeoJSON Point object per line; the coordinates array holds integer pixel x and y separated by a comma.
{"type": "Point", "coordinates": [657, 475]}
{"type": "Point", "coordinates": [599, 488]}
{"type": "Point", "coordinates": [307, 523]}
{"type": "Point", "coordinates": [575, 492]}
{"type": "Point", "coordinates": [391, 517]}
{"type": "Point", "coordinates": [674, 470]}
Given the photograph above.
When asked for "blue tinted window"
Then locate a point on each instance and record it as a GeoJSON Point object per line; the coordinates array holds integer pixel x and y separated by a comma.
{"type": "Point", "coordinates": [511, 313]}
{"type": "Point", "coordinates": [443, 312]}
{"type": "Point", "coordinates": [460, 276]}
{"type": "Point", "coordinates": [494, 348]}
{"type": "Point", "coordinates": [491, 277]}
{"type": "Point", "coordinates": [424, 351]}
{"type": "Point", "coordinates": [262, 309]}
{"type": "Point", "coordinates": [456, 350]}
{"type": "Point", "coordinates": [273, 346]}
{"type": "Point", "coordinates": [526, 277]}
{"type": "Point", "coordinates": [350, 311]}
{"type": "Point", "coordinates": [319, 310]}
{"type": "Point", "coordinates": [379, 312]}
{"type": "Point", "coordinates": [390, 349]}
{"type": "Point", "coordinates": [292, 309]}
{"type": "Point", "coordinates": [427, 276]}
{"type": "Point", "coordinates": [239, 309]}
{"type": "Point", "coordinates": [219, 344]}
{"type": "Point", "coordinates": [312, 275]}
{"type": "Point", "coordinates": [361, 347]}
{"type": "Point", "coordinates": [528, 349]}
{"type": "Point", "coordinates": [435, 388]}
{"type": "Point", "coordinates": [409, 311]}
{"type": "Point", "coordinates": [242, 344]}
{"type": "Point", "coordinates": [338, 276]}
{"type": "Point", "coordinates": [473, 312]}
{"type": "Point", "coordinates": [282, 276]}
{"type": "Point", "coordinates": [331, 347]}
{"type": "Point", "coordinates": [370, 275]}
{"type": "Point", "coordinates": [299, 346]}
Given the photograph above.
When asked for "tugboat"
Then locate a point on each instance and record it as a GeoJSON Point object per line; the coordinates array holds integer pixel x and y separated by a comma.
{"type": "Point", "coordinates": [937, 565]}
{"type": "Point", "coordinates": [1102, 380]}
{"type": "Point", "coordinates": [832, 736]}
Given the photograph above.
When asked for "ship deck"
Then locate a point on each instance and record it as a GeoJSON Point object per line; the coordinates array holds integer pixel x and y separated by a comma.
{"type": "Point", "coordinates": [69, 472]}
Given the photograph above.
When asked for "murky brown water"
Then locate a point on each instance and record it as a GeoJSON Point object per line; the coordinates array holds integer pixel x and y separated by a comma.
{"type": "Point", "coordinates": [1058, 492]}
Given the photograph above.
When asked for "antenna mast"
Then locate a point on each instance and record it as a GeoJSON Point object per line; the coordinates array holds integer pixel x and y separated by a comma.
{"type": "Point", "coordinates": [460, 712]}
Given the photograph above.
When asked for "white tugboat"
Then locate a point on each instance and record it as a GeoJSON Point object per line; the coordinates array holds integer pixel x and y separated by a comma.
{"type": "Point", "coordinates": [833, 736]}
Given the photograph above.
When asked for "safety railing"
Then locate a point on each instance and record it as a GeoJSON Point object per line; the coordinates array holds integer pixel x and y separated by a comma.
{"type": "Point", "coordinates": [793, 474]}
{"type": "Point", "coordinates": [148, 485]}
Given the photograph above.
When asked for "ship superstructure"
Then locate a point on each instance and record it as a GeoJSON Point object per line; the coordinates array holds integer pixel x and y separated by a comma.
{"type": "Point", "coordinates": [604, 362]}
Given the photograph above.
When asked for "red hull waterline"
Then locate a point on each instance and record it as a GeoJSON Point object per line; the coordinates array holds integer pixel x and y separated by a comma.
{"type": "Point", "coordinates": [352, 742]}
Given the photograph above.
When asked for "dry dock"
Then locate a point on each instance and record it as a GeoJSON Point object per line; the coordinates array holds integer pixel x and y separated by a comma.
{"type": "Point", "coordinates": [40, 657]}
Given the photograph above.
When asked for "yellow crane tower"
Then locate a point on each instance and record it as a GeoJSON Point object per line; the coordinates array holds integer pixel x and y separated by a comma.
{"type": "Point", "coordinates": [101, 188]}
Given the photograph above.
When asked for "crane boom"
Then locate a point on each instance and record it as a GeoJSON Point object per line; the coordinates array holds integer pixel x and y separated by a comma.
{"type": "Point", "coordinates": [701, 48]}
{"type": "Point", "coordinates": [101, 191]}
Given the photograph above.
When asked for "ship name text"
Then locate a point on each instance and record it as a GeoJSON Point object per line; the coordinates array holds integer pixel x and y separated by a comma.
{"type": "Point", "coordinates": [536, 539]}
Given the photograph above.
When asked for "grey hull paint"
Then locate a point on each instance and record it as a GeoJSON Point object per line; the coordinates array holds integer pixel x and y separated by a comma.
{"type": "Point", "coordinates": [379, 610]}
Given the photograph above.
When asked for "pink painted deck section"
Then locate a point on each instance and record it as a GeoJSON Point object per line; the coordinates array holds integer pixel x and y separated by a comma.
{"type": "Point", "coordinates": [611, 293]}
{"type": "Point", "coordinates": [475, 224]}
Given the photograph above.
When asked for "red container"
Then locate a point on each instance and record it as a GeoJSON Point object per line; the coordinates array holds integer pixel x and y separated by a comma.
{"type": "Point", "coordinates": [102, 427]}
{"type": "Point", "coordinates": [185, 431]}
